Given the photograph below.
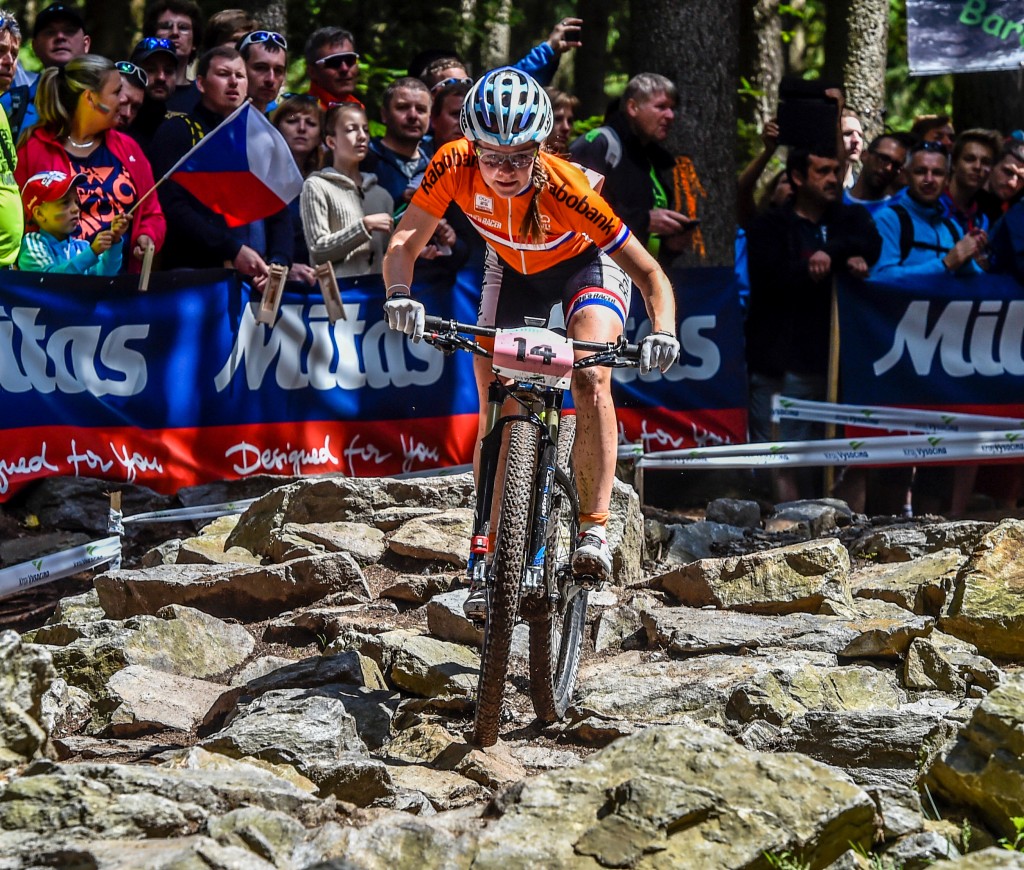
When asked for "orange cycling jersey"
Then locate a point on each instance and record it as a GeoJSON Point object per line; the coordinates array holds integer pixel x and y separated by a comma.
{"type": "Point", "coordinates": [574, 216]}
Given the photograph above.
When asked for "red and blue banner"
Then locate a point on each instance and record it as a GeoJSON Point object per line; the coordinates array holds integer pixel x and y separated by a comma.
{"type": "Point", "coordinates": [181, 385]}
{"type": "Point", "coordinates": [939, 343]}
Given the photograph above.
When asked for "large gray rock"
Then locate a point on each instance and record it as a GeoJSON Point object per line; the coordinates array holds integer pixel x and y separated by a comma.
{"type": "Point", "coordinates": [992, 858]}
{"type": "Point", "coordinates": [799, 577]}
{"type": "Point", "coordinates": [350, 499]}
{"type": "Point", "coordinates": [322, 624]}
{"type": "Point", "coordinates": [249, 592]}
{"type": "Point", "coordinates": [686, 631]}
{"type": "Point", "coordinates": [625, 534]}
{"type": "Point", "coordinates": [725, 691]}
{"type": "Point", "coordinates": [447, 621]}
{"type": "Point", "coordinates": [179, 640]}
{"type": "Point", "coordinates": [875, 746]}
{"type": "Point", "coordinates": [84, 502]}
{"type": "Point", "coordinates": [819, 516]}
{"type": "Point", "coordinates": [26, 673]}
{"type": "Point", "coordinates": [983, 771]}
{"type": "Point", "coordinates": [697, 540]}
{"type": "Point", "coordinates": [920, 585]}
{"type": "Point", "coordinates": [120, 800]}
{"type": "Point", "coordinates": [419, 588]}
{"type": "Point", "coordinates": [734, 512]}
{"type": "Point", "coordinates": [271, 835]}
{"type": "Point", "coordinates": [209, 547]}
{"type": "Point", "coordinates": [911, 541]}
{"type": "Point", "coordinates": [676, 797]}
{"type": "Point", "coordinates": [440, 537]}
{"type": "Point", "coordinates": [179, 853]}
{"type": "Point", "coordinates": [986, 607]}
{"type": "Point", "coordinates": [148, 700]}
{"type": "Point", "coordinates": [363, 542]}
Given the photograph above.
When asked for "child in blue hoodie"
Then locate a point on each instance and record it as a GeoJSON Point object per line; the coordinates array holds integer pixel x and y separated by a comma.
{"type": "Point", "coordinates": [51, 203]}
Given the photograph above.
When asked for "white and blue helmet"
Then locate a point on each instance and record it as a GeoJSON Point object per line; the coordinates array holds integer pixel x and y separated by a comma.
{"type": "Point", "coordinates": [506, 107]}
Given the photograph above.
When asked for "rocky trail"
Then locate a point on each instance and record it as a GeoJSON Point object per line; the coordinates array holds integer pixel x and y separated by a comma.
{"type": "Point", "coordinates": [292, 687]}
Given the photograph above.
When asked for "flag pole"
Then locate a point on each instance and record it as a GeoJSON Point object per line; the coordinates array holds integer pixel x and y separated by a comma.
{"type": "Point", "coordinates": [188, 154]}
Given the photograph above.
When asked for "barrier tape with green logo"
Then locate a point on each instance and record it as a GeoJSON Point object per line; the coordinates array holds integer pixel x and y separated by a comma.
{"type": "Point", "coordinates": [46, 569]}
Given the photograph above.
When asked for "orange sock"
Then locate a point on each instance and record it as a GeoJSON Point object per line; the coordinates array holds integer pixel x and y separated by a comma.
{"type": "Point", "coordinates": [589, 521]}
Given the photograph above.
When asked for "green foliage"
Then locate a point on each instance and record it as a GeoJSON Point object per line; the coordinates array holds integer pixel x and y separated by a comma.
{"type": "Point", "coordinates": [786, 861]}
{"type": "Point", "coordinates": [876, 861]}
{"type": "Point", "coordinates": [1017, 843]}
{"type": "Point", "coordinates": [966, 832]}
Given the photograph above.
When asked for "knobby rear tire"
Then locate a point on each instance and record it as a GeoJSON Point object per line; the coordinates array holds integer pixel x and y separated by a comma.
{"type": "Point", "coordinates": [506, 574]}
{"type": "Point", "coordinates": [556, 642]}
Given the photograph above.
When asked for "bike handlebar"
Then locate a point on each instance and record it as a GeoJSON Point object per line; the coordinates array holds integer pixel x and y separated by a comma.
{"type": "Point", "coordinates": [619, 353]}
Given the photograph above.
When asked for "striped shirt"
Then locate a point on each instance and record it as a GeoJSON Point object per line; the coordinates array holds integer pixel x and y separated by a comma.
{"type": "Point", "coordinates": [43, 252]}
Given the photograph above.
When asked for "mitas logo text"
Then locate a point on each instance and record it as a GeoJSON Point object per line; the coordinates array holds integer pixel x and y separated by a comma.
{"type": "Point", "coordinates": [72, 359]}
{"type": "Point", "coordinates": [965, 338]}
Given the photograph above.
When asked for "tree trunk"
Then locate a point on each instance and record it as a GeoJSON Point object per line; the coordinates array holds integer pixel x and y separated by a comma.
{"type": "Point", "coordinates": [865, 35]}
{"type": "Point", "coordinates": [695, 43]}
{"type": "Point", "coordinates": [110, 24]}
{"type": "Point", "coordinates": [994, 100]}
{"type": "Point", "coordinates": [761, 61]}
{"type": "Point", "coordinates": [270, 14]}
{"type": "Point", "coordinates": [499, 37]}
{"type": "Point", "coordinates": [591, 59]}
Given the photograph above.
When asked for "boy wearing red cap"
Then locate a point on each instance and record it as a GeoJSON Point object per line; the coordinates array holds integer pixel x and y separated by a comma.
{"type": "Point", "coordinates": [51, 203]}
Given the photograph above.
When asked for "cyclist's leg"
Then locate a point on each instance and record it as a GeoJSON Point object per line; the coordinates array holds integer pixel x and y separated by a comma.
{"type": "Point", "coordinates": [596, 309]}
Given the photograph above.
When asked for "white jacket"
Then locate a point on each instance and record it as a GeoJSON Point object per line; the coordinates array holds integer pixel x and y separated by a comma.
{"type": "Point", "coordinates": [333, 207]}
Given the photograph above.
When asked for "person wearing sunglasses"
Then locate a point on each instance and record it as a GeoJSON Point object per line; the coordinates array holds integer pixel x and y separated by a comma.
{"type": "Point", "coordinates": [266, 61]}
{"type": "Point", "coordinates": [552, 241]}
{"type": "Point", "coordinates": [78, 107]}
{"type": "Point", "coordinates": [880, 167]}
{"type": "Point", "coordinates": [155, 59]}
{"type": "Point", "coordinates": [133, 93]}
{"type": "Point", "coordinates": [333, 66]}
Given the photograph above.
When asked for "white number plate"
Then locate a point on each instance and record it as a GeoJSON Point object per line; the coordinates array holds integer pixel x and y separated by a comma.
{"type": "Point", "coordinates": [535, 355]}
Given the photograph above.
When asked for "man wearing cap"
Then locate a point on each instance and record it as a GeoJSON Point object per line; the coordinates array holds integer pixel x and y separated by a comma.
{"type": "Point", "coordinates": [266, 61]}
{"type": "Point", "coordinates": [333, 66]}
{"type": "Point", "coordinates": [12, 223]}
{"type": "Point", "coordinates": [58, 35]}
{"type": "Point", "coordinates": [51, 205]}
{"type": "Point", "coordinates": [156, 58]}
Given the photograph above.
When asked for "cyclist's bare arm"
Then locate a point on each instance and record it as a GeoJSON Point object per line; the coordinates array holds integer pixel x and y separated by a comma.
{"type": "Point", "coordinates": [653, 283]}
{"type": "Point", "coordinates": [411, 236]}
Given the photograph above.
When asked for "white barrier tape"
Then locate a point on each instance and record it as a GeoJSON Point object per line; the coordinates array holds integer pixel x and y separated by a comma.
{"type": "Point", "coordinates": [196, 512]}
{"type": "Point", "coordinates": [46, 569]}
{"type": "Point", "coordinates": [891, 450]}
{"type": "Point", "coordinates": [630, 451]}
{"type": "Point", "coordinates": [434, 472]}
{"type": "Point", "coordinates": [874, 417]}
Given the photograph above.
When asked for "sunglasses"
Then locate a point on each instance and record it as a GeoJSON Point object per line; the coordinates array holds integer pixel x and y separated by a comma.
{"type": "Point", "coordinates": [152, 43]}
{"type": "Point", "coordinates": [447, 83]}
{"type": "Point", "coordinates": [495, 159]}
{"type": "Point", "coordinates": [336, 61]}
{"type": "Point", "coordinates": [8, 22]}
{"type": "Point", "coordinates": [886, 160]}
{"type": "Point", "coordinates": [258, 37]}
{"type": "Point", "coordinates": [131, 71]}
{"type": "Point", "coordinates": [931, 147]}
{"type": "Point", "coordinates": [307, 97]}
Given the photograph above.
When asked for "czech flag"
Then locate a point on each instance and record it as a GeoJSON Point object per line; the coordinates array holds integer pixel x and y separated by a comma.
{"type": "Point", "coordinates": [248, 173]}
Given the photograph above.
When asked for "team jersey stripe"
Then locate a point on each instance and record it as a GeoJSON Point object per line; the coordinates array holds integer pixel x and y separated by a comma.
{"type": "Point", "coordinates": [620, 239]}
{"type": "Point", "coordinates": [517, 246]}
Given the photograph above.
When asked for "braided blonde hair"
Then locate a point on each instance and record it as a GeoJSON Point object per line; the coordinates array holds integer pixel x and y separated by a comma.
{"type": "Point", "coordinates": [532, 229]}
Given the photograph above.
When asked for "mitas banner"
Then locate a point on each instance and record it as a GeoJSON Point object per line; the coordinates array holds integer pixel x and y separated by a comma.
{"type": "Point", "coordinates": [946, 36]}
{"type": "Point", "coordinates": [935, 342]}
{"type": "Point", "coordinates": [181, 385]}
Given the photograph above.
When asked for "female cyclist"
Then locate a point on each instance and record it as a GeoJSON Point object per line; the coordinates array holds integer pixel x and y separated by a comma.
{"type": "Point", "coordinates": [551, 239]}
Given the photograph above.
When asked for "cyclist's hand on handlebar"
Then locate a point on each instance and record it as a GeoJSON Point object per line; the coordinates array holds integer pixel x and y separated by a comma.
{"type": "Point", "coordinates": [658, 351]}
{"type": "Point", "coordinates": [406, 315]}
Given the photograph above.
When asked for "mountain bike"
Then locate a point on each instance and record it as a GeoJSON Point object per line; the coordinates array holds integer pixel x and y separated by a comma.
{"type": "Point", "coordinates": [521, 556]}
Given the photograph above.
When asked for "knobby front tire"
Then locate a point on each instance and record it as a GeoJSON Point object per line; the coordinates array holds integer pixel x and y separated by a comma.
{"type": "Point", "coordinates": [506, 575]}
{"type": "Point", "coordinates": [556, 640]}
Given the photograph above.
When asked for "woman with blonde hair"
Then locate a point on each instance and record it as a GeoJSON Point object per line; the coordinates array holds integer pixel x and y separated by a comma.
{"type": "Point", "coordinates": [78, 108]}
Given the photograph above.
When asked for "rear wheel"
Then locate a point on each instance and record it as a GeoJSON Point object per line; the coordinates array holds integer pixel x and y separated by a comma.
{"type": "Point", "coordinates": [506, 575]}
{"type": "Point", "coordinates": [556, 639]}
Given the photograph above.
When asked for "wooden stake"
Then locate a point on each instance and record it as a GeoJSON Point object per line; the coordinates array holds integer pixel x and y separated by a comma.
{"type": "Point", "coordinates": [147, 267]}
{"type": "Point", "coordinates": [272, 295]}
{"type": "Point", "coordinates": [329, 288]}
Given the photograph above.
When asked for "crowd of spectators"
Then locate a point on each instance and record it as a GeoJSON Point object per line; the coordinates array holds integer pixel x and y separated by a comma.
{"type": "Point", "coordinates": [83, 143]}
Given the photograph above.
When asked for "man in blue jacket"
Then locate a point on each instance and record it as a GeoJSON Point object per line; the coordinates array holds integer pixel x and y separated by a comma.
{"type": "Point", "coordinates": [917, 238]}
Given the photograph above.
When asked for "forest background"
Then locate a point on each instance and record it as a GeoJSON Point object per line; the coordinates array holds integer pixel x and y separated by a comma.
{"type": "Point", "coordinates": [726, 56]}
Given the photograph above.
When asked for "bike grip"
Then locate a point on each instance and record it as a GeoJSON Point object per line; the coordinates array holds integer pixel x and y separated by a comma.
{"type": "Point", "coordinates": [432, 323]}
